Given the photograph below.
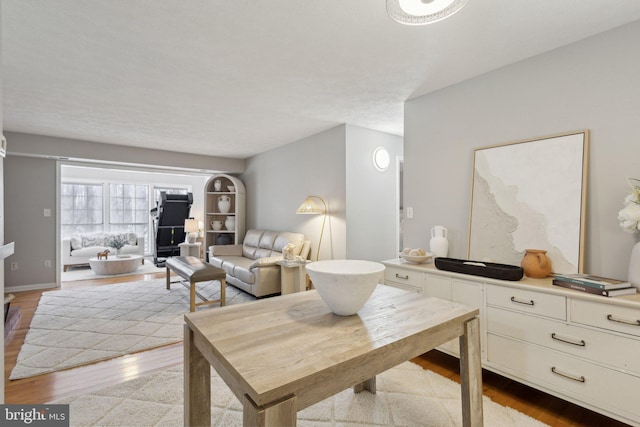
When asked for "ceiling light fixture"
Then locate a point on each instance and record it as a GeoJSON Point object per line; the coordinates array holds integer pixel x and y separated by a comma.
{"type": "Point", "coordinates": [422, 12]}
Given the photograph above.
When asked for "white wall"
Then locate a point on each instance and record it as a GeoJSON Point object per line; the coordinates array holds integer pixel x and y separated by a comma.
{"type": "Point", "coordinates": [30, 187]}
{"type": "Point", "coordinates": [592, 84]}
{"type": "Point", "coordinates": [336, 165]}
{"type": "Point", "coordinates": [372, 196]}
{"type": "Point", "coordinates": [277, 182]}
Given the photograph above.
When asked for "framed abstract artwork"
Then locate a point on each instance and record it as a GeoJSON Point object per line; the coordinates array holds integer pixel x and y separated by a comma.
{"type": "Point", "coordinates": [530, 195]}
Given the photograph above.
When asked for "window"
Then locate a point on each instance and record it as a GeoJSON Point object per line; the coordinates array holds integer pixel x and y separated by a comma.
{"type": "Point", "coordinates": [81, 208]}
{"type": "Point", "coordinates": [168, 190]}
{"type": "Point", "coordinates": [129, 209]}
{"type": "Point", "coordinates": [111, 207]}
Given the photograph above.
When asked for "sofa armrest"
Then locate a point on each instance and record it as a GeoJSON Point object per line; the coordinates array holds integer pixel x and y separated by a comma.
{"type": "Point", "coordinates": [140, 244]}
{"type": "Point", "coordinates": [235, 250]}
{"type": "Point", "coordinates": [266, 261]}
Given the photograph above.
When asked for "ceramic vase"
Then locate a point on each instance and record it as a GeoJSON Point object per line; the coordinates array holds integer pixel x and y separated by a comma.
{"type": "Point", "coordinates": [536, 264]}
{"type": "Point", "coordinates": [224, 204]}
{"type": "Point", "coordinates": [439, 245]}
{"type": "Point", "coordinates": [216, 225]}
{"type": "Point", "coordinates": [634, 266]}
{"type": "Point", "coordinates": [230, 223]}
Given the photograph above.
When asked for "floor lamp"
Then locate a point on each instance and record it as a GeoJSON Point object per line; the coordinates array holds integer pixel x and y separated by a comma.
{"type": "Point", "coordinates": [309, 207]}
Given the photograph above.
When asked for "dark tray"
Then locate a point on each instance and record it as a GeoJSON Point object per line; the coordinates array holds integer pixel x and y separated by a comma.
{"type": "Point", "coordinates": [478, 268]}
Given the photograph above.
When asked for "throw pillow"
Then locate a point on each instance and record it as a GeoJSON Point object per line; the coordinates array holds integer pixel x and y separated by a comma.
{"type": "Point", "coordinates": [76, 242]}
{"type": "Point", "coordinates": [132, 239]}
{"type": "Point", "coordinates": [89, 240]}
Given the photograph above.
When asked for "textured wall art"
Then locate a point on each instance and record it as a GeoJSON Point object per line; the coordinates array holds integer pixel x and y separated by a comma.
{"type": "Point", "coordinates": [530, 195]}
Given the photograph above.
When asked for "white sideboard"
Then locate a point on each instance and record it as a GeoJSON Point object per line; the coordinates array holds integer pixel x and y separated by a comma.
{"type": "Point", "coordinates": [580, 347]}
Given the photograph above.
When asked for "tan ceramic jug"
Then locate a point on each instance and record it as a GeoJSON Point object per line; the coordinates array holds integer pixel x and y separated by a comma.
{"type": "Point", "coordinates": [536, 264]}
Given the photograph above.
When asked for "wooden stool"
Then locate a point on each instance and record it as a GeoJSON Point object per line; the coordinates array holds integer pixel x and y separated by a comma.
{"type": "Point", "coordinates": [195, 270]}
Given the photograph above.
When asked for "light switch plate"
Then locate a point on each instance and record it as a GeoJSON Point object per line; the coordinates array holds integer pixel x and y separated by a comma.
{"type": "Point", "coordinates": [409, 212]}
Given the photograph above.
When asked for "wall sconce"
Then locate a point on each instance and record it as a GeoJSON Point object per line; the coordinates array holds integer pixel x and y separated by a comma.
{"type": "Point", "coordinates": [191, 228]}
{"type": "Point", "coordinates": [381, 158]}
{"type": "Point", "coordinates": [309, 207]}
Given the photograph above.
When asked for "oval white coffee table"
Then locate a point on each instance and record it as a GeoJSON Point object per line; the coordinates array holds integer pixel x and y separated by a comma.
{"type": "Point", "coordinates": [114, 265]}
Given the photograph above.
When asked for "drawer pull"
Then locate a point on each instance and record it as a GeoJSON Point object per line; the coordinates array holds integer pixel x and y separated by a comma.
{"type": "Point", "coordinates": [580, 343]}
{"type": "Point", "coordinates": [398, 276]}
{"type": "Point", "coordinates": [516, 300]}
{"type": "Point", "coordinates": [580, 379]}
{"type": "Point", "coordinates": [626, 322]}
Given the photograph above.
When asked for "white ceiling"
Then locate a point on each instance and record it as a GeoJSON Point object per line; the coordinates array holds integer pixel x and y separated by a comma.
{"type": "Point", "coordinates": [236, 78]}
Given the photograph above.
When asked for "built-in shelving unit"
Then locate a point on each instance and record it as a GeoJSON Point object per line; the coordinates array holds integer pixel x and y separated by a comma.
{"type": "Point", "coordinates": [225, 201]}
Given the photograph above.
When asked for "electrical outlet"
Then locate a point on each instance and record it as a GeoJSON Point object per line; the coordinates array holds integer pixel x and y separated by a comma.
{"type": "Point", "coordinates": [47, 263]}
{"type": "Point", "coordinates": [14, 265]}
{"type": "Point", "coordinates": [409, 212]}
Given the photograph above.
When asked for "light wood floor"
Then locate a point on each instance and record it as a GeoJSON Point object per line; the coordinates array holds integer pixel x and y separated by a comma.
{"type": "Point", "coordinates": [48, 387]}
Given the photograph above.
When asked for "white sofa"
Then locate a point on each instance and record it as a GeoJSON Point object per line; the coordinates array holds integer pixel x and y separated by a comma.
{"type": "Point", "coordinates": [79, 248]}
{"type": "Point", "coordinates": [252, 266]}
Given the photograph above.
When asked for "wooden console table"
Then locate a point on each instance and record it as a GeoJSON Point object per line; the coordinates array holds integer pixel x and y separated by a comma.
{"type": "Point", "coordinates": [283, 354]}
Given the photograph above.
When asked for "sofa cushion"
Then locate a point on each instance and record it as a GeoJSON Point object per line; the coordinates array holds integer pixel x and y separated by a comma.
{"type": "Point", "coordinates": [91, 251]}
{"type": "Point", "coordinates": [251, 242]}
{"type": "Point", "coordinates": [285, 238]}
{"type": "Point", "coordinates": [239, 267]}
{"type": "Point", "coordinates": [265, 247]}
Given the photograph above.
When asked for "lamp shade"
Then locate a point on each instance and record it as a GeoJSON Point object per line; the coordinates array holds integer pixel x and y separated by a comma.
{"type": "Point", "coordinates": [191, 225]}
{"type": "Point", "coordinates": [309, 207]}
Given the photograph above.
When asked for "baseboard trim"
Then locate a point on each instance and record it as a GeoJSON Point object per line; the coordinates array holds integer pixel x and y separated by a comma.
{"type": "Point", "coordinates": [35, 287]}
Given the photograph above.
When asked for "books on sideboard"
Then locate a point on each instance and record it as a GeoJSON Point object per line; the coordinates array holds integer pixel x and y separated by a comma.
{"type": "Point", "coordinates": [590, 280]}
{"type": "Point", "coordinates": [593, 290]}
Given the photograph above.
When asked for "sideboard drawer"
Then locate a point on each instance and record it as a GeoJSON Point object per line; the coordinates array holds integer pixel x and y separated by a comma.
{"type": "Point", "coordinates": [404, 279]}
{"type": "Point", "coordinates": [606, 316]}
{"type": "Point", "coordinates": [609, 389]}
{"type": "Point", "coordinates": [542, 304]}
{"type": "Point", "coordinates": [601, 347]}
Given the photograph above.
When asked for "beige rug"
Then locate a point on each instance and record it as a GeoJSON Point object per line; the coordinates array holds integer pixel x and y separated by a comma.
{"type": "Point", "coordinates": [407, 396]}
{"type": "Point", "coordinates": [84, 325]}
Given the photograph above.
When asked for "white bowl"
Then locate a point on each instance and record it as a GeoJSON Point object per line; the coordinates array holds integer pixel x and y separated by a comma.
{"type": "Point", "coordinates": [345, 284]}
{"type": "Point", "coordinates": [417, 259]}
{"type": "Point", "coordinates": [231, 188]}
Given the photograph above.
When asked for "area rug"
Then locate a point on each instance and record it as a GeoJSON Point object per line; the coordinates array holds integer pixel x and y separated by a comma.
{"type": "Point", "coordinates": [78, 326]}
{"type": "Point", "coordinates": [74, 274]}
{"type": "Point", "coordinates": [406, 395]}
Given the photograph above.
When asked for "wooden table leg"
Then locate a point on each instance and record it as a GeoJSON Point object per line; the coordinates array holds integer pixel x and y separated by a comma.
{"type": "Point", "coordinates": [471, 374]}
{"type": "Point", "coordinates": [369, 385]}
{"type": "Point", "coordinates": [168, 278]}
{"type": "Point", "coordinates": [192, 296]}
{"type": "Point", "coordinates": [223, 290]}
{"type": "Point", "coordinates": [280, 414]}
{"type": "Point", "coordinates": [197, 384]}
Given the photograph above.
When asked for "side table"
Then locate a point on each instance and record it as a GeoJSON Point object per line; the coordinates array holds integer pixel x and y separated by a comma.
{"type": "Point", "coordinates": [293, 276]}
{"type": "Point", "coordinates": [189, 249]}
